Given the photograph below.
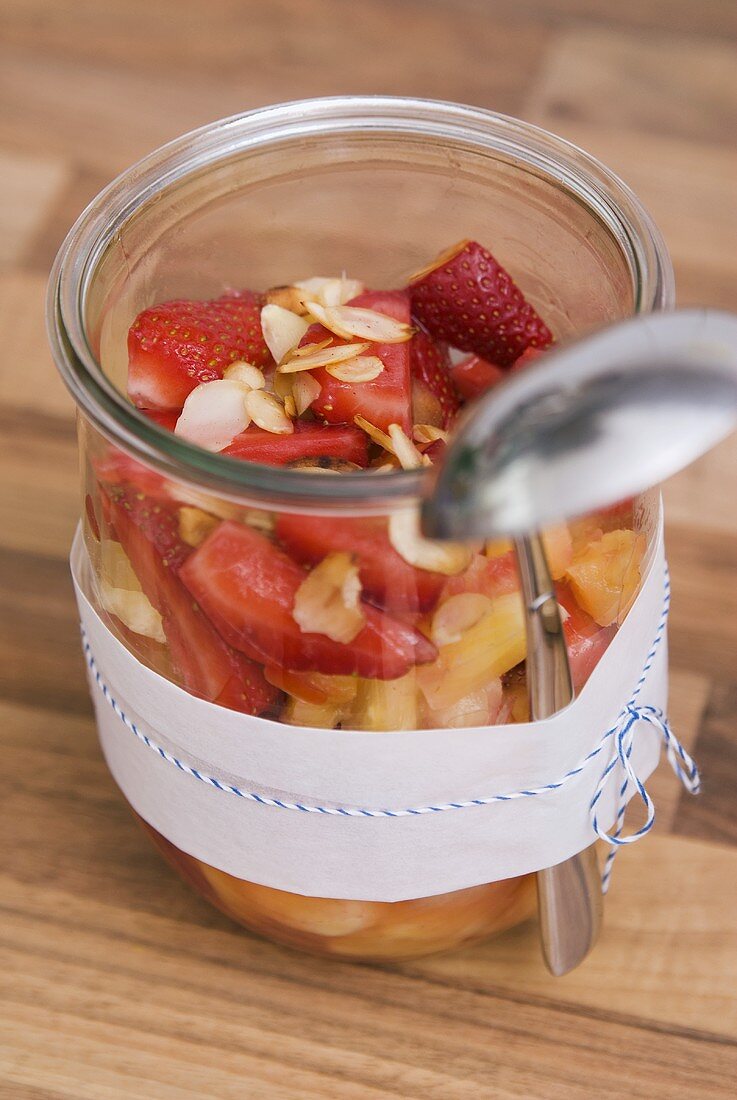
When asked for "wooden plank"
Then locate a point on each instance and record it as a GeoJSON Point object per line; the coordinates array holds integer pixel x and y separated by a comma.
{"type": "Point", "coordinates": [28, 187]}
{"type": "Point", "coordinates": [29, 380]}
{"type": "Point", "coordinates": [713, 816]}
{"type": "Point", "coordinates": [116, 992]}
{"type": "Point", "coordinates": [594, 75]}
{"type": "Point", "coordinates": [667, 952]}
{"type": "Point", "coordinates": [703, 618]}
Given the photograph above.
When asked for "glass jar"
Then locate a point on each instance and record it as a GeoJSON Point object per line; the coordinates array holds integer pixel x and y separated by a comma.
{"type": "Point", "coordinates": [376, 186]}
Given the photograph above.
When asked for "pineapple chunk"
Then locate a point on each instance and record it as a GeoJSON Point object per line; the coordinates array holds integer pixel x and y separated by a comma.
{"type": "Point", "coordinates": [558, 549]}
{"type": "Point", "coordinates": [605, 576]}
{"type": "Point", "coordinates": [386, 704]}
{"type": "Point", "coordinates": [317, 715]}
{"type": "Point", "coordinates": [484, 653]}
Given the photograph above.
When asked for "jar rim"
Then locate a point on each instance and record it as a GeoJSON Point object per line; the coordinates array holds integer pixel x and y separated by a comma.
{"type": "Point", "coordinates": [87, 241]}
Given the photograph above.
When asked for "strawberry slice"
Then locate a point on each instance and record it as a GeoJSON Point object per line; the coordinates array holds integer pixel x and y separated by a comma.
{"type": "Point", "coordinates": [586, 640]}
{"type": "Point", "coordinates": [490, 577]}
{"type": "Point", "coordinates": [165, 418]}
{"type": "Point", "coordinates": [385, 400]}
{"type": "Point", "coordinates": [175, 346]}
{"type": "Point", "coordinates": [307, 441]}
{"type": "Point", "coordinates": [467, 299]}
{"type": "Point", "coordinates": [247, 585]}
{"type": "Point", "coordinates": [208, 667]}
{"type": "Point", "coordinates": [528, 356]}
{"type": "Point", "coordinates": [387, 579]}
{"type": "Point", "coordinates": [474, 376]}
{"type": "Point", "coordinates": [431, 371]}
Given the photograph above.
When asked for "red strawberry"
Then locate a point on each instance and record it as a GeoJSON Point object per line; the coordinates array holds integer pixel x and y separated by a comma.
{"type": "Point", "coordinates": [306, 441]}
{"type": "Point", "coordinates": [526, 358]}
{"type": "Point", "coordinates": [467, 299]}
{"type": "Point", "coordinates": [148, 532]}
{"type": "Point", "coordinates": [384, 401]}
{"type": "Point", "coordinates": [586, 640]}
{"type": "Point", "coordinates": [165, 418]}
{"type": "Point", "coordinates": [474, 376]}
{"type": "Point", "coordinates": [174, 346]}
{"type": "Point", "coordinates": [386, 577]}
{"type": "Point", "coordinates": [431, 373]}
{"type": "Point", "coordinates": [247, 587]}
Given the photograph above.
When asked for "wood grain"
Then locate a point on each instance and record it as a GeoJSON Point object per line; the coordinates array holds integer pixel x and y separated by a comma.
{"type": "Point", "coordinates": [116, 981]}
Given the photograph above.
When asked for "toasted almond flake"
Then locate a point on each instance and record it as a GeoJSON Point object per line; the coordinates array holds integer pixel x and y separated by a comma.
{"type": "Point", "coordinates": [457, 614]}
{"type": "Point", "coordinates": [133, 609]}
{"type": "Point", "coordinates": [246, 374]}
{"type": "Point", "coordinates": [368, 324]}
{"type": "Point", "coordinates": [328, 600]}
{"type": "Point", "coordinates": [305, 390]}
{"type": "Point", "coordinates": [268, 412]}
{"type": "Point", "coordinates": [405, 450]}
{"type": "Point", "coordinates": [321, 357]}
{"type": "Point", "coordinates": [309, 349]}
{"type": "Point", "coordinates": [443, 258]}
{"type": "Point", "coordinates": [214, 413]}
{"type": "Point", "coordinates": [329, 291]}
{"type": "Point", "coordinates": [282, 330]}
{"type": "Point", "coordinates": [288, 297]}
{"type": "Point", "coordinates": [364, 368]}
{"type": "Point", "coordinates": [448, 558]}
{"type": "Point", "coordinates": [428, 433]}
{"type": "Point", "coordinates": [374, 433]}
{"type": "Point", "coordinates": [195, 525]}
{"type": "Point", "coordinates": [289, 406]}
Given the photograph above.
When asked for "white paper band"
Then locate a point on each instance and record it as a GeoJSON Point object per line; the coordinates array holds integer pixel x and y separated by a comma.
{"type": "Point", "coordinates": [359, 855]}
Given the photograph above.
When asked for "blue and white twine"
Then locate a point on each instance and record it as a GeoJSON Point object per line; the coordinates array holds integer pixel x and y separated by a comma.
{"type": "Point", "coordinates": [621, 735]}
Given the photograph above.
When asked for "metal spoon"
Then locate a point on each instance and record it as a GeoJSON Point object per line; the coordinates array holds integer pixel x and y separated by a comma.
{"type": "Point", "coordinates": [593, 422]}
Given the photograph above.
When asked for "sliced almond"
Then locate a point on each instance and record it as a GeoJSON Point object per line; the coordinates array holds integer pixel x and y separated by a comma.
{"type": "Point", "coordinates": [368, 324]}
{"type": "Point", "coordinates": [214, 414]}
{"type": "Point", "coordinates": [309, 349]}
{"type": "Point", "coordinates": [321, 357]}
{"type": "Point", "coordinates": [289, 406]}
{"type": "Point", "coordinates": [448, 558]}
{"type": "Point", "coordinates": [428, 433]}
{"type": "Point", "coordinates": [282, 330]}
{"type": "Point", "coordinates": [246, 374]}
{"type": "Point", "coordinates": [374, 433]}
{"type": "Point", "coordinates": [364, 368]}
{"type": "Point", "coordinates": [405, 450]}
{"type": "Point", "coordinates": [329, 291]}
{"type": "Point", "coordinates": [268, 412]}
{"type": "Point", "coordinates": [288, 297]}
{"type": "Point", "coordinates": [328, 600]}
{"type": "Point", "coordinates": [195, 525]}
{"type": "Point", "coordinates": [305, 390]}
{"type": "Point", "coordinates": [458, 614]}
{"type": "Point", "coordinates": [443, 258]}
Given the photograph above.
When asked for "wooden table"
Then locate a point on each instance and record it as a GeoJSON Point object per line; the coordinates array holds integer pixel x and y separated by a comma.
{"type": "Point", "coordinates": [117, 982]}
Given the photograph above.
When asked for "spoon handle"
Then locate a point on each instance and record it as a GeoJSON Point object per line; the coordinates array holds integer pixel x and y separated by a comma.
{"type": "Point", "coordinates": [569, 894]}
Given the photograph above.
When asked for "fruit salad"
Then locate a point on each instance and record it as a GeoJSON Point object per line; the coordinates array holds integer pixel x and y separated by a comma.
{"type": "Point", "coordinates": [346, 620]}
{"type": "Point", "coordinates": [351, 621]}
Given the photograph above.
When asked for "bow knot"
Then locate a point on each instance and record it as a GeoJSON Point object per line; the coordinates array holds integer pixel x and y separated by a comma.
{"type": "Point", "coordinates": [621, 765]}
